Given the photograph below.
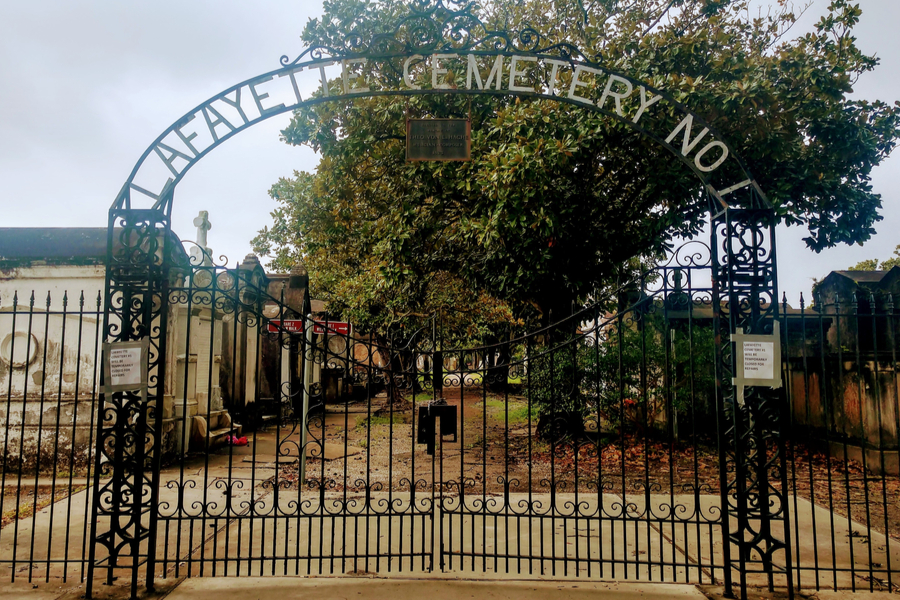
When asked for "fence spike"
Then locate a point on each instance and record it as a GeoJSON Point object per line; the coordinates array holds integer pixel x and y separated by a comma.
{"type": "Point", "coordinates": [65, 299]}
{"type": "Point", "coordinates": [15, 299]}
{"type": "Point", "coordinates": [48, 300]}
{"type": "Point", "coordinates": [81, 300]}
{"type": "Point", "coordinates": [31, 300]}
{"type": "Point", "coordinates": [802, 302]}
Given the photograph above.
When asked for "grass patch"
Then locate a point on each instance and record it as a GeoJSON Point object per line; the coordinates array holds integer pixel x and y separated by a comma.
{"type": "Point", "coordinates": [518, 415]}
{"type": "Point", "coordinates": [493, 405]}
{"type": "Point", "coordinates": [379, 420]}
{"type": "Point", "coordinates": [516, 412]}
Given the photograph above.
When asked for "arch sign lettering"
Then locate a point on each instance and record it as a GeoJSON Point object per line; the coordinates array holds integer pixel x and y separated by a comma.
{"type": "Point", "coordinates": [438, 50]}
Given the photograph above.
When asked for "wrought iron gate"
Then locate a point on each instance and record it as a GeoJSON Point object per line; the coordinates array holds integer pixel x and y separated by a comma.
{"type": "Point", "coordinates": [610, 444]}
{"type": "Point", "coordinates": [236, 474]}
{"type": "Point", "coordinates": [566, 445]}
{"type": "Point", "coordinates": [603, 446]}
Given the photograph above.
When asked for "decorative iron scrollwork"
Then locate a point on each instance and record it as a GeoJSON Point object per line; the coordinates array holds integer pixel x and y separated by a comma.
{"type": "Point", "coordinates": [752, 455]}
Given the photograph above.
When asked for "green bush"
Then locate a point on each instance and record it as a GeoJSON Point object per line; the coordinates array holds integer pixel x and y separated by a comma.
{"type": "Point", "coordinates": [639, 374]}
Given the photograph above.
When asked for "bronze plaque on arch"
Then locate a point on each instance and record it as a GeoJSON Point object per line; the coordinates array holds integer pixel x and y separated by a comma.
{"type": "Point", "coordinates": [438, 139]}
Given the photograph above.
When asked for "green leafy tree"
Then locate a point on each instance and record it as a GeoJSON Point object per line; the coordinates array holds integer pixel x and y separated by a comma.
{"type": "Point", "coordinates": [872, 264]}
{"type": "Point", "coordinates": [556, 198]}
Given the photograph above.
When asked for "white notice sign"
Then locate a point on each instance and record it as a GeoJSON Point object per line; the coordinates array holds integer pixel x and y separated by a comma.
{"type": "Point", "coordinates": [759, 360]}
{"type": "Point", "coordinates": [125, 366]}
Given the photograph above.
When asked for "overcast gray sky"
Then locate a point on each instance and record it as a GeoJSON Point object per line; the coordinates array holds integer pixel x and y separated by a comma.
{"type": "Point", "coordinates": [87, 85]}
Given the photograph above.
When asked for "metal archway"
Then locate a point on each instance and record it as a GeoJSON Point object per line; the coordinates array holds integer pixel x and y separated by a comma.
{"type": "Point", "coordinates": [505, 69]}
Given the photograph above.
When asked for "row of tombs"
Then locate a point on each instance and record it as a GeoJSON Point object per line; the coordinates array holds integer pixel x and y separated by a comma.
{"type": "Point", "coordinates": [225, 375]}
{"type": "Point", "coordinates": [224, 372]}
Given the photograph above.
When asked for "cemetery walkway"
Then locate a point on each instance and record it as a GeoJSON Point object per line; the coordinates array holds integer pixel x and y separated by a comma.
{"type": "Point", "coordinates": [679, 543]}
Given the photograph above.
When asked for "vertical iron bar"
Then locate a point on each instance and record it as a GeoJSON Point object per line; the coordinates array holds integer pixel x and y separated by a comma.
{"type": "Point", "coordinates": [22, 435]}
{"type": "Point", "coordinates": [6, 453]}
{"type": "Point", "coordinates": [721, 367]}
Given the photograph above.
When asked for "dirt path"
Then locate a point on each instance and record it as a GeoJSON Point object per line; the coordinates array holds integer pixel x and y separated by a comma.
{"type": "Point", "coordinates": [497, 450]}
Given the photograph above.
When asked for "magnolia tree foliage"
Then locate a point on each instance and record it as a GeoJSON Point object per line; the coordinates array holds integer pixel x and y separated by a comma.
{"type": "Point", "coordinates": [873, 264]}
{"type": "Point", "coordinates": [557, 199]}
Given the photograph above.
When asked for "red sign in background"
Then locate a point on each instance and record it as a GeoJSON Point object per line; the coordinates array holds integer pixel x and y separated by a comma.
{"type": "Point", "coordinates": [319, 328]}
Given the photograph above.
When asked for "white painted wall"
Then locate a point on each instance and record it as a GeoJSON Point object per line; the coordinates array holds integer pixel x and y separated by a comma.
{"type": "Point", "coordinates": [50, 349]}
{"type": "Point", "coordinates": [55, 280]}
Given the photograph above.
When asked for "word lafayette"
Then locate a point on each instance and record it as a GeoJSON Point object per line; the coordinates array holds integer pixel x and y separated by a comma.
{"type": "Point", "coordinates": [294, 86]}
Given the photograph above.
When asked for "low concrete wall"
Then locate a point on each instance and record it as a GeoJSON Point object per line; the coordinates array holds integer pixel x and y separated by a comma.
{"type": "Point", "coordinates": [56, 434]}
{"type": "Point", "coordinates": [47, 435]}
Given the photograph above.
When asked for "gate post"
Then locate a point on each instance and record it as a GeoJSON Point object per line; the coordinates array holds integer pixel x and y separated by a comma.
{"type": "Point", "coordinates": [753, 478]}
{"type": "Point", "coordinates": [128, 451]}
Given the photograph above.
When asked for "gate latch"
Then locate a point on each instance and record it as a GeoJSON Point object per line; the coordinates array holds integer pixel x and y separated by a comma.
{"type": "Point", "coordinates": [428, 412]}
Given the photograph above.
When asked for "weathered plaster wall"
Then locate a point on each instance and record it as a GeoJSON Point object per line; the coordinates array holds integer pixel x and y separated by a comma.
{"type": "Point", "coordinates": [49, 375]}
{"type": "Point", "coordinates": [55, 280]}
{"type": "Point", "coordinates": [44, 354]}
{"type": "Point", "coordinates": [851, 403]}
{"type": "Point", "coordinates": [50, 434]}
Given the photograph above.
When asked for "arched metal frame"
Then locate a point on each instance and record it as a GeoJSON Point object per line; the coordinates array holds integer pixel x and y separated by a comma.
{"type": "Point", "coordinates": [141, 256]}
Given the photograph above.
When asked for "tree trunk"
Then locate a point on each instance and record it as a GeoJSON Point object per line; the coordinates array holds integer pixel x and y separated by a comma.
{"type": "Point", "coordinates": [561, 415]}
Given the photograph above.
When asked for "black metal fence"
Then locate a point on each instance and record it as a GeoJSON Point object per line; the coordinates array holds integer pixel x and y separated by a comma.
{"type": "Point", "coordinates": [49, 381]}
{"type": "Point", "coordinates": [841, 375]}
{"type": "Point", "coordinates": [248, 487]}
{"type": "Point", "coordinates": [592, 448]}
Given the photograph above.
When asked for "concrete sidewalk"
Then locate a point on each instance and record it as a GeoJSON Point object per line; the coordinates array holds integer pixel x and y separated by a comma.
{"type": "Point", "coordinates": [359, 588]}
{"type": "Point", "coordinates": [420, 589]}
{"type": "Point", "coordinates": [528, 535]}
{"type": "Point", "coordinates": [378, 588]}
